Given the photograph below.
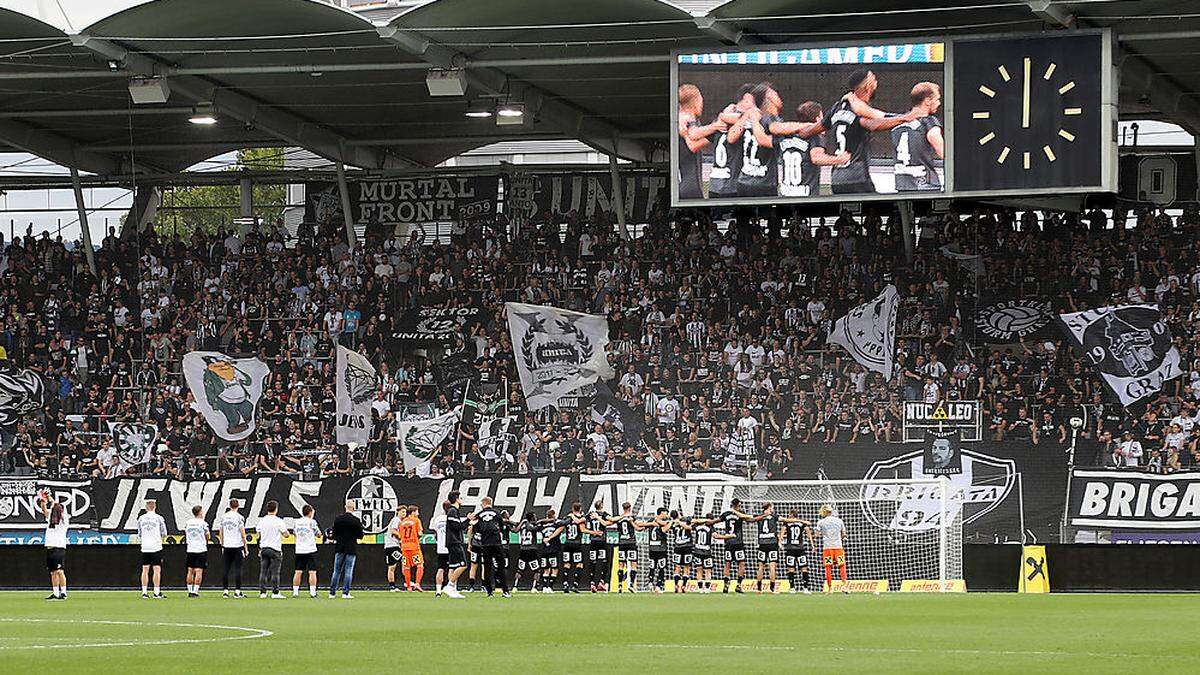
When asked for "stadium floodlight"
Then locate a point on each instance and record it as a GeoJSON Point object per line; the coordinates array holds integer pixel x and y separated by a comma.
{"type": "Point", "coordinates": [202, 117]}
{"type": "Point", "coordinates": [479, 109]}
{"type": "Point", "coordinates": [446, 81]}
{"type": "Point", "coordinates": [510, 113]}
{"type": "Point", "coordinates": [149, 90]}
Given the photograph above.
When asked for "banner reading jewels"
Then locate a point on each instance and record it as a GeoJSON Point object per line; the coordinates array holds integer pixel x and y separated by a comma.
{"type": "Point", "coordinates": [425, 199]}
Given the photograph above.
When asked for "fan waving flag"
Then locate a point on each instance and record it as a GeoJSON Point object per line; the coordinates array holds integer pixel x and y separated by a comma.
{"type": "Point", "coordinates": [419, 439]}
{"type": "Point", "coordinates": [1130, 346]}
{"type": "Point", "coordinates": [134, 442]}
{"type": "Point", "coordinates": [868, 332]}
{"type": "Point", "coordinates": [226, 391]}
{"type": "Point", "coordinates": [354, 386]}
{"type": "Point", "coordinates": [557, 350]}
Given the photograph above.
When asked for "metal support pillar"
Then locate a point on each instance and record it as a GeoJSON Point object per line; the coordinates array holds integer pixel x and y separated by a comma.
{"type": "Point", "coordinates": [907, 229]}
{"type": "Point", "coordinates": [347, 213]}
{"type": "Point", "coordinates": [618, 199]}
{"type": "Point", "coordinates": [83, 220]}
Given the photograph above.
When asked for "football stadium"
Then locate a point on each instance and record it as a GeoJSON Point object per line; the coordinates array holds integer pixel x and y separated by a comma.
{"type": "Point", "coordinates": [599, 336]}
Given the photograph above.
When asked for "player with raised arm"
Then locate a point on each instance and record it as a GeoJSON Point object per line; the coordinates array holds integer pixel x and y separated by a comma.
{"type": "Point", "coordinates": [797, 541]}
{"type": "Point", "coordinates": [694, 138]}
{"type": "Point", "coordinates": [732, 522]}
{"type": "Point", "coordinates": [598, 547]}
{"type": "Point", "coordinates": [727, 148]}
{"type": "Point", "coordinates": [851, 121]}
{"type": "Point", "coordinates": [231, 533]}
{"type": "Point", "coordinates": [391, 547]}
{"type": "Point", "coordinates": [442, 576]}
{"type": "Point", "coordinates": [57, 523]}
{"type": "Point", "coordinates": [768, 547]}
{"type": "Point", "coordinates": [529, 539]}
{"type": "Point", "coordinates": [833, 551]}
{"type": "Point", "coordinates": [456, 555]}
{"type": "Point", "coordinates": [474, 577]}
{"type": "Point", "coordinates": [550, 529]}
{"type": "Point", "coordinates": [919, 142]}
{"type": "Point", "coordinates": [305, 529]}
{"type": "Point", "coordinates": [197, 537]}
{"type": "Point", "coordinates": [801, 152]}
{"type": "Point", "coordinates": [152, 530]}
{"type": "Point", "coordinates": [702, 553]}
{"type": "Point", "coordinates": [412, 562]}
{"type": "Point", "coordinates": [681, 552]}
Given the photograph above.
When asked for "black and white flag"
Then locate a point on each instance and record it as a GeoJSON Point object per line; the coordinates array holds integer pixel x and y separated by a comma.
{"type": "Point", "coordinates": [1129, 345]}
{"type": "Point", "coordinates": [419, 440]}
{"type": "Point", "coordinates": [1014, 320]}
{"type": "Point", "coordinates": [134, 442]}
{"type": "Point", "coordinates": [354, 388]}
{"type": "Point", "coordinates": [970, 263]}
{"type": "Point", "coordinates": [868, 332]}
{"type": "Point", "coordinates": [226, 391]}
{"type": "Point", "coordinates": [21, 394]}
{"type": "Point", "coordinates": [557, 351]}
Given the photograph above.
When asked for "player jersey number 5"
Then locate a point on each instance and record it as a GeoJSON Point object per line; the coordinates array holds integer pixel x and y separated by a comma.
{"type": "Point", "coordinates": [839, 134]}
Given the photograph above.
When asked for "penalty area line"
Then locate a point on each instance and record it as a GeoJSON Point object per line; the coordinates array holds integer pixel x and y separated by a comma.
{"type": "Point", "coordinates": [246, 634]}
{"type": "Point", "coordinates": [901, 650]}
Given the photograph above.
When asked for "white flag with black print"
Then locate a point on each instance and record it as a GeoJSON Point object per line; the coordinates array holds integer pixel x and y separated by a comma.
{"type": "Point", "coordinates": [868, 332]}
{"type": "Point", "coordinates": [22, 393]}
{"type": "Point", "coordinates": [419, 440]}
{"type": "Point", "coordinates": [557, 350]}
{"type": "Point", "coordinates": [1129, 345]}
{"type": "Point", "coordinates": [354, 387]}
{"type": "Point", "coordinates": [971, 263]}
{"type": "Point", "coordinates": [134, 442]}
{"type": "Point", "coordinates": [226, 391]}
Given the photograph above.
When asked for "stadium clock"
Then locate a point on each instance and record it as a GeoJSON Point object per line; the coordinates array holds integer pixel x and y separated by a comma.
{"type": "Point", "coordinates": [1028, 112]}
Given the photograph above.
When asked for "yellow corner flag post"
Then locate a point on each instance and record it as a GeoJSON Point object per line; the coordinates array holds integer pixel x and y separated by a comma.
{"type": "Point", "coordinates": [1035, 572]}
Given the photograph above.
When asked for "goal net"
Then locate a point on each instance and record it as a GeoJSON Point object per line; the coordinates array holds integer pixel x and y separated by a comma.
{"type": "Point", "coordinates": [897, 529]}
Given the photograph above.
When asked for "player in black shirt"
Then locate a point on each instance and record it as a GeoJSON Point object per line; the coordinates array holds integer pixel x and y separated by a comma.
{"type": "Point", "coordinates": [487, 525]}
{"type": "Point", "coordinates": [802, 152]}
{"type": "Point", "coordinates": [768, 546]}
{"type": "Point", "coordinates": [681, 552]}
{"type": "Point", "coordinates": [919, 143]}
{"type": "Point", "coordinates": [657, 545]}
{"type": "Point", "coordinates": [694, 138]}
{"type": "Point", "coordinates": [456, 530]}
{"type": "Point", "coordinates": [529, 536]}
{"type": "Point", "coordinates": [574, 527]}
{"type": "Point", "coordinates": [550, 528]}
{"type": "Point", "coordinates": [474, 577]}
{"type": "Point", "coordinates": [851, 121]}
{"type": "Point", "coordinates": [598, 547]}
{"type": "Point", "coordinates": [727, 146]}
{"type": "Point", "coordinates": [732, 522]}
{"type": "Point", "coordinates": [797, 540]}
{"type": "Point", "coordinates": [627, 549]}
{"type": "Point", "coordinates": [702, 550]}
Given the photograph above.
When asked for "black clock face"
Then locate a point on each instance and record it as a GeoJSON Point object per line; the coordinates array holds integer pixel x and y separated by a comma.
{"type": "Point", "coordinates": [1028, 113]}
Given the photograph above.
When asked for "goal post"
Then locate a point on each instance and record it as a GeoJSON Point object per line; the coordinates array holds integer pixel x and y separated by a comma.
{"type": "Point", "coordinates": [897, 530]}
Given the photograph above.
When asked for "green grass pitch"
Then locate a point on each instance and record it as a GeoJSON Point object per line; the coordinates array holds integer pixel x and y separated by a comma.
{"type": "Point", "coordinates": [100, 632]}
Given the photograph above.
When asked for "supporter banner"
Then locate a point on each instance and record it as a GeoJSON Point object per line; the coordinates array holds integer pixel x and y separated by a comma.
{"type": "Point", "coordinates": [18, 502]}
{"type": "Point", "coordinates": [1014, 320]}
{"type": "Point", "coordinates": [868, 332]}
{"type": "Point", "coordinates": [455, 374]}
{"type": "Point", "coordinates": [528, 196]}
{"type": "Point", "coordinates": [1134, 501]}
{"type": "Point", "coordinates": [425, 199]}
{"type": "Point", "coordinates": [355, 387]}
{"type": "Point", "coordinates": [437, 326]}
{"type": "Point", "coordinates": [419, 439]}
{"type": "Point", "coordinates": [1155, 537]}
{"type": "Point", "coordinates": [1129, 345]}
{"type": "Point", "coordinates": [226, 391]}
{"type": "Point", "coordinates": [21, 394]}
{"type": "Point", "coordinates": [134, 442]}
{"type": "Point", "coordinates": [948, 418]}
{"type": "Point", "coordinates": [558, 351]}
{"type": "Point", "coordinates": [971, 263]}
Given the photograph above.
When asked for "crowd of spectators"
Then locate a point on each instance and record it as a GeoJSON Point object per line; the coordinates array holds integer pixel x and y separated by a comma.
{"type": "Point", "coordinates": [718, 336]}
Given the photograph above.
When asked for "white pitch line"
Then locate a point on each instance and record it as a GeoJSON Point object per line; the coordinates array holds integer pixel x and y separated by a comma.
{"type": "Point", "coordinates": [250, 634]}
{"type": "Point", "coordinates": [901, 650]}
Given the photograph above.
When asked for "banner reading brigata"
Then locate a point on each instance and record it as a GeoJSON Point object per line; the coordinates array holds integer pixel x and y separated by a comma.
{"type": "Point", "coordinates": [424, 199]}
{"type": "Point", "coordinates": [1135, 501]}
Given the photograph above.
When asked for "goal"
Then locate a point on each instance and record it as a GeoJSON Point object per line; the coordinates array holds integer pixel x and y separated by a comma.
{"type": "Point", "coordinates": [897, 529]}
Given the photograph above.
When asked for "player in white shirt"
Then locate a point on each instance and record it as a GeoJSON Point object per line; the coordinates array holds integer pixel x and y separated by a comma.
{"type": "Point", "coordinates": [231, 532]}
{"type": "Point", "coordinates": [391, 546]}
{"type": "Point", "coordinates": [438, 525]}
{"type": "Point", "coordinates": [56, 544]}
{"type": "Point", "coordinates": [152, 529]}
{"type": "Point", "coordinates": [196, 535]}
{"type": "Point", "coordinates": [270, 550]}
{"type": "Point", "coordinates": [306, 530]}
{"type": "Point", "coordinates": [833, 552]}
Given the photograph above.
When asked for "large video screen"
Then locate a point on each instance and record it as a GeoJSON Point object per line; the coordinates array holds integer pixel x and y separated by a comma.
{"type": "Point", "coordinates": [838, 121]}
{"type": "Point", "coordinates": [972, 116]}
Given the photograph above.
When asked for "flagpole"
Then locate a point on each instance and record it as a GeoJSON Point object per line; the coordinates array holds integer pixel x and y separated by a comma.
{"type": "Point", "coordinates": [458, 424]}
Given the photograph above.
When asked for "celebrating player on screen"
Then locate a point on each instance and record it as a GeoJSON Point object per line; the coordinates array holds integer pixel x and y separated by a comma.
{"type": "Point", "coordinates": [833, 552]}
{"type": "Point", "coordinates": [851, 120]}
{"type": "Point", "coordinates": [919, 142]}
{"type": "Point", "coordinates": [694, 137]}
{"type": "Point", "coordinates": [727, 148]}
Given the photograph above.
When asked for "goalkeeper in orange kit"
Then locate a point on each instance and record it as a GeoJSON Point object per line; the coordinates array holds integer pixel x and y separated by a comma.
{"type": "Point", "coordinates": [410, 549]}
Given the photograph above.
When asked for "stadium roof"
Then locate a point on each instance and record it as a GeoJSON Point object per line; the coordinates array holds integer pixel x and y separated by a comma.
{"type": "Point", "coordinates": [309, 74]}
